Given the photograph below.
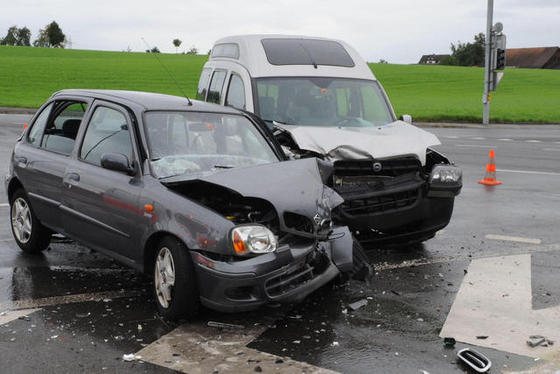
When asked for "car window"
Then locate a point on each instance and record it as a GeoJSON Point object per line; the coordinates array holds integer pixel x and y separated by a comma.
{"type": "Point", "coordinates": [107, 132]}
{"type": "Point", "coordinates": [215, 90]}
{"type": "Point", "coordinates": [203, 84]}
{"type": "Point", "coordinates": [38, 127]}
{"type": "Point", "coordinates": [62, 127]}
{"type": "Point", "coordinates": [236, 92]}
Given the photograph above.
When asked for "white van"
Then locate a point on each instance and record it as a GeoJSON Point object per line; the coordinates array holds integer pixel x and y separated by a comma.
{"type": "Point", "coordinates": [322, 100]}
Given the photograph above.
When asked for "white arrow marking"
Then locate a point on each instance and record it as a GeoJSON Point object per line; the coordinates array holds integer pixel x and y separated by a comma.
{"type": "Point", "coordinates": [495, 300]}
{"type": "Point", "coordinates": [201, 349]}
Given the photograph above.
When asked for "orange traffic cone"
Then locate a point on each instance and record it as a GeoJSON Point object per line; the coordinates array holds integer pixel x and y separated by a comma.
{"type": "Point", "coordinates": [490, 176]}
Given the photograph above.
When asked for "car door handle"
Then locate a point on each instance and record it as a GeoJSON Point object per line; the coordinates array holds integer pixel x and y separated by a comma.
{"type": "Point", "coordinates": [71, 179]}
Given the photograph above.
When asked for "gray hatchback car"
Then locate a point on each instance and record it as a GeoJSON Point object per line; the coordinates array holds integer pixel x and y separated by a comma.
{"type": "Point", "coordinates": [198, 195]}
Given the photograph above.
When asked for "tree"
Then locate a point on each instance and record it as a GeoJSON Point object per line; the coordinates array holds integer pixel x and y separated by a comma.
{"type": "Point", "coordinates": [16, 36]}
{"type": "Point", "coordinates": [11, 37]}
{"type": "Point", "coordinates": [24, 37]}
{"type": "Point", "coordinates": [177, 44]}
{"type": "Point", "coordinates": [153, 50]}
{"type": "Point", "coordinates": [51, 36]}
{"type": "Point", "coordinates": [55, 34]}
{"type": "Point", "coordinates": [192, 51]}
{"type": "Point", "coordinates": [467, 54]}
{"type": "Point", "coordinates": [382, 61]}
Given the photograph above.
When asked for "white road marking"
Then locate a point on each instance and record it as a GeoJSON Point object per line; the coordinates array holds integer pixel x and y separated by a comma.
{"type": "Point", "coordinates": [196, 348]}
{"type": "Point", "coordinates": [2, 205]}
{"type": "Point", "coordinates": [9, 316]}
{"type": "Point", "coordinates": [506, 140]}
{"type": "Point", "coordinates": [474, 146]}
{"type": "Point", "coordinates": [495, 300]}
{"type": "Point", "coordinates": [478, 138]}
{"type": "Point", "coordinates": [516, 239]}
{"type": "Point", "coordinates": [527, 172]}
{"type": "Point", "coordinates": [66, 299]}
{"type": "Point", "coordinates": [552, 149]}
{"type": "Point", "coordinates": [533, 141]}
{"type": "Point", "coordinates": [451, 137]}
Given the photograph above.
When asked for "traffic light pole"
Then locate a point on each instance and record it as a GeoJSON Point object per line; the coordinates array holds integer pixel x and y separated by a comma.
{"type": "Point", "coordinates": [487, 65]}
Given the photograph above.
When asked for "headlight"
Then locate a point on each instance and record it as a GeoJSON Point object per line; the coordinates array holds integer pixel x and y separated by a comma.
{"type": "Point", "coordinates": [253, 239]}
{"type": "Point", "coordinates": [446, 174]}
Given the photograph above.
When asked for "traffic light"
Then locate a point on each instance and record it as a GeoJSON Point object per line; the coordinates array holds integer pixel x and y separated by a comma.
{"type": "Point", "coordinates": [500, 59]}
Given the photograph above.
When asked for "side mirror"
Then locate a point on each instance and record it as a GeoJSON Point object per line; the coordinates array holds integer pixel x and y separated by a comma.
{"type": "Point", "coordinates": [406, 118]}
{"type": "Point", "coordinates": [117, 162]}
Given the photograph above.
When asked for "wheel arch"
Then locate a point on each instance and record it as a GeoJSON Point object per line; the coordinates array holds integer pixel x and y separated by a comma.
{"type": "Point", "coordinates": [13, 186]}
{"type": "Point", "coordinates": [151, 246]}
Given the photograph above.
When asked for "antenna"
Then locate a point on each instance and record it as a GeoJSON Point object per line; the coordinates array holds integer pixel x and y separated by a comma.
{"type": "Point", "coordinates": [168, 72]}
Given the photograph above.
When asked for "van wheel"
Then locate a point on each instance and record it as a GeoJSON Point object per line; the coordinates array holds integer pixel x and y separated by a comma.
{"type": "Point", "coordinates": [30, 235]}
{"type": "Point", "coordinates": [175, 286]}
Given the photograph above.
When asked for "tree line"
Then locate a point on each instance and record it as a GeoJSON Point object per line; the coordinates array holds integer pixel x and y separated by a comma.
{"type": "Point", "coordinates": [467, 54]}
{"type": "Point", "coordinates": [49, 36]}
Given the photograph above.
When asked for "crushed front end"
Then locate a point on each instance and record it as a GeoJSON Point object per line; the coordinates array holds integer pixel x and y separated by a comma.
{"type": "Point", "coordinates": [282, 244]}
{"type": "Point", "coordinates": [396, 200]}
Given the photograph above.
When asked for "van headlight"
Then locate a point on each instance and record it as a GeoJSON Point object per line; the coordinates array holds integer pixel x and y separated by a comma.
{"type": "Point", "coordinates": [444, 174]}
{"type": "Point", "coordinates": [254, 239]}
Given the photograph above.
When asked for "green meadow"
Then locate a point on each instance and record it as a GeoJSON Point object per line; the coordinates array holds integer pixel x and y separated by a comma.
{"type": "Point", "coordinates": [28, 76]}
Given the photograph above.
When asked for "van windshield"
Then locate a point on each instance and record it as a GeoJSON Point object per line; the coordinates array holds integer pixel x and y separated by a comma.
{"type": "Point", "coordinates": [336, 102]}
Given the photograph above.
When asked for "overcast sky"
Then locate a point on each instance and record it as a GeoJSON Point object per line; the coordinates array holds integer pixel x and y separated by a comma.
{"type": "Point", "coordinates": [399, 31]}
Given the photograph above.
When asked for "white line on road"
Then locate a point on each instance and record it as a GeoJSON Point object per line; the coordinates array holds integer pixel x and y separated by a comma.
{"type": "Point", "coordinates": [513, 239]}
{"type": "Point", "coordinates": [451, 137]}
{"type": "Point", "coordinates": [533, 141]}
{"type": "Point", "coordinates": [527, 172]}
{"type": "Point", "coordinates": [552, 149]}
{"type": "Point", "coordinates": [4, 205]}
{"type": "Point", "coordinates": [478, 138]}
{"type": "Point", "coordinates": [474, 146]}
{"type": "Point", "coordinates": [9, 316]}
{"type": "Point", "coordinates": [506, 140]}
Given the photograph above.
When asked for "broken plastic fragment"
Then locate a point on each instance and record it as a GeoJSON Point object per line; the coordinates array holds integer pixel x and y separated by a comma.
{"type": "Point", "coordinates": [358, 304]}
{"type": "Point", "coordinates": [449, 342]}
{"type": "Point", "coordinates": [131, 357]}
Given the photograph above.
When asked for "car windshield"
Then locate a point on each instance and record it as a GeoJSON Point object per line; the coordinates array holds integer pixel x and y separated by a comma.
{"type": "Point", "coordinates": [323, 102]}
{"type": "Point", "coordinates": [188, 143]}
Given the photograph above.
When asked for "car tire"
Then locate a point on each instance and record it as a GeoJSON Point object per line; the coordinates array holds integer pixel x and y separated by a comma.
{"type": "Point", "coordinates": [30, 234]}
{"type": "Point", "coordinates": [175, 284]}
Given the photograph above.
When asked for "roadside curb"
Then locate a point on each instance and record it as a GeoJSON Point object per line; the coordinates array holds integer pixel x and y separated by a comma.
{"type": "Point", "coordinates": [490, 126]}
{"type": "Point", "coordinates": [15, 110]}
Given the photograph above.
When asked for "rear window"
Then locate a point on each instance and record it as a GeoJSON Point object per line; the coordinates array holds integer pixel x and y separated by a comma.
{"type": "Point", "coordinates": [230, 50]}
{"type": "Point", "coordinates": [306, 52]}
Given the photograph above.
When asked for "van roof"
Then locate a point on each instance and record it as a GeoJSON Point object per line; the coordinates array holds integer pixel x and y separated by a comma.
{"type": "Point", "coordinates": [273, 55]}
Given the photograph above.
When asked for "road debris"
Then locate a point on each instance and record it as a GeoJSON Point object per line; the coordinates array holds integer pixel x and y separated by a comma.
{"type": "Point", "coordinates": [222, 325]}
{"type": "Point", "coordinates": [539, 341]}
{"type": "Point", "coordinates": [475, 360]}
{"type": "Point", "coordinates": [358, 304]}
{"type": "Point", "coordinates": [449, 342]}
{"type": "Point", "coordinates": [131, 357]}
{"type": "Point", "coordinates": [482, 337]}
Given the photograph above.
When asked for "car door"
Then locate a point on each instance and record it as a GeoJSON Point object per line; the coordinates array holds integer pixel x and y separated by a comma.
{"type": "Point", "coordinates": [100, 206]}
{"type": "Point", "coordinates": [41, 158]}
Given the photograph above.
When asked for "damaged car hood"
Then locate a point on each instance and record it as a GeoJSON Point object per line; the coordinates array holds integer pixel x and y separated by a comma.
{"type": "Point", "coordinates": [294, 186]}
{"type": "Point", "coordinates": [337, 143]}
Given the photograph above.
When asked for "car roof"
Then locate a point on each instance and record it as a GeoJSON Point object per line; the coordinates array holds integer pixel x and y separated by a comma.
{"type": "Point", "coordinates": [253, 57]}
{"type": "Point", "coordinates": [147, 100]}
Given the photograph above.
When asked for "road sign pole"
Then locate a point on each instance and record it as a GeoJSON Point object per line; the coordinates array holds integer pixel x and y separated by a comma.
{"type": "Point", "coordinates": [487, 67]}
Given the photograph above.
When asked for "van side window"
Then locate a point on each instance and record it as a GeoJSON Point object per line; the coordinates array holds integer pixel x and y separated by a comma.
{"type": "Point", "coordinates": [62, 128]}
{"type": "Point", "coordinates": [203, 84]}
{"type": "Point", "coordinates": [216, 85]}
{"type": "Point", "coordinates": [107, 132]}
{"type": "Point", "coordinates": [236, 92]}
{"type": "Point", "coordinates": [37, 129]}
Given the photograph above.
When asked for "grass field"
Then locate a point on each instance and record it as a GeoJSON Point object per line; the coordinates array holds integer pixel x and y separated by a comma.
{"type": "Point", "coordinates": [28, 76]}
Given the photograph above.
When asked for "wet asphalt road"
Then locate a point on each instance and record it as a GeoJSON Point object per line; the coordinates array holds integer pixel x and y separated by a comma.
{"type": "Point", "coordinates": [89, 308]}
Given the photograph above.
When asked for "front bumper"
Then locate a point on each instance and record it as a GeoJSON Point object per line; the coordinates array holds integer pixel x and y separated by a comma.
{"type": "Point", "coordinates": [413, 212]}
{"type": "Point", "coordinates": [286, 276]}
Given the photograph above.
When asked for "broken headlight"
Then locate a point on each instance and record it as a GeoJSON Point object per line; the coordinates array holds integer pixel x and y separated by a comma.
{"type": "Point", "coordinates": [255, 239]}
{"type": "Point", "coordinates": [446, 174]}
